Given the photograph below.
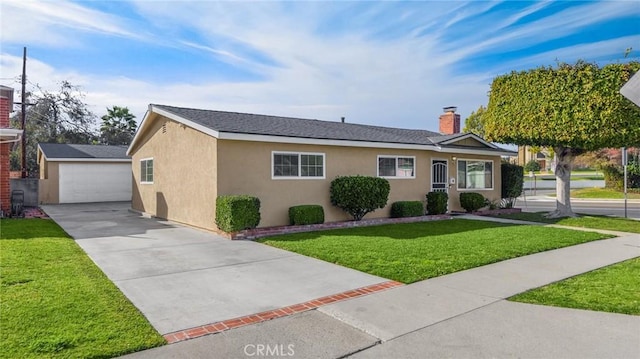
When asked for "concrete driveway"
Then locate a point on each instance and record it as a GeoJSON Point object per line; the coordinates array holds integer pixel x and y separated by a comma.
{"type": "Point", "coordinates": [181, 278]}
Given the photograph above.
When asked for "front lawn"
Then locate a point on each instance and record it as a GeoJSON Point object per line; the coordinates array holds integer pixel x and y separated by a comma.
{"type": "Point", "coordinates": [55, 302]}
{"type": "Point", "coordinates": [602, 193]}
{"type": "Point", "coordinates": [613, 289]}
{"type": "Point", "coordinates": [412, 252]}
{"type": "Point", "coordinates": [584, 221]}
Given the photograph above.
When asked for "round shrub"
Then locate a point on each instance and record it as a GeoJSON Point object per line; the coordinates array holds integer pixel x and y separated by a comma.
{"type": "Point", "coordinates": [472, 201]}
{"type": "Point", "coordinates": [437, 202]}
{"type": "Point", "coordinates": [237, 212]}
{"type": "Point", "coordinates": [306, 214]}
{"type": "Point", "coordinates": [532, 165]}
{"type": "Point", "coordinates": [359, 195]}
{"type": "Point", "coordinates": [407, 209]}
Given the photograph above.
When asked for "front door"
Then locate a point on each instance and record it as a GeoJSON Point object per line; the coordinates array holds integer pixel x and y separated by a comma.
{"type": "Point", "coordinates": [439, 176]}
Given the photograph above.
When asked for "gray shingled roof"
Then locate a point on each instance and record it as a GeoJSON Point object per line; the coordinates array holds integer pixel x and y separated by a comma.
{"type": "Point", "coordinates": [297, 127]}
{"type": "Point", "coordinates": [64, 150]}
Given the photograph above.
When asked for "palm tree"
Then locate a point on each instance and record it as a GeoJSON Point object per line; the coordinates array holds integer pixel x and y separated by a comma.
{"type": "Point", "coordinates": [118, 126]}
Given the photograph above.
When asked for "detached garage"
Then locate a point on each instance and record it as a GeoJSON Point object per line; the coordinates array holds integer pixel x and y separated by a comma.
{"type": "Point", "coordinates": [83, 173]}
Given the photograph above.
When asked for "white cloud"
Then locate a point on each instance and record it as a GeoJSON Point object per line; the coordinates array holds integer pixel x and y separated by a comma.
{"type": "Point", "coordinates": [50, 22]}
{"type": "Point", "coordinates": [403, 79]}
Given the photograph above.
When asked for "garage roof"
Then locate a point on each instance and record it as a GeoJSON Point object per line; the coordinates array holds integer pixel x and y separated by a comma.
{"type": "Point", "coordinates": [65, 151]}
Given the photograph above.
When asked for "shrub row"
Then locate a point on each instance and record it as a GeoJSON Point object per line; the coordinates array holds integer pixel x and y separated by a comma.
{"type": "Point", "coordinates": [437, 202]}
{"type": "Point", "coordinates": [237, 212]}
{"type": "Point", "coordinates": [306, 214]}
{"type": "Point", "coordinates": [407, 209]}
{"type": "Point", "coordinates": [358, 195]}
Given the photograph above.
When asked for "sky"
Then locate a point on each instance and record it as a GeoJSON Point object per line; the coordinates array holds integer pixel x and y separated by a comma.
{"type": "Point", "coordinates": [386, 63]}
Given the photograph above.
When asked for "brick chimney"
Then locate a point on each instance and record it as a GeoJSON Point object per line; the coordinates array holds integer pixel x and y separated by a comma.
{"type": "Point", "coordinates": [6, 103]}
{"type": "Point", "coordinates": [449, 121]}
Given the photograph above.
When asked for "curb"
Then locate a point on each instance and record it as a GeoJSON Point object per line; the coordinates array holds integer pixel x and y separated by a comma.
{"type": "Point", "coordinates": [218, 327]}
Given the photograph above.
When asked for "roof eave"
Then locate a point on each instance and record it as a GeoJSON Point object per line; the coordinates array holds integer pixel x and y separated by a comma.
{"type": "Point", "coordinates": [87, 159]}
{"type": "Point", "coordinates": [469, 135]}
{"type": "Point", "coordinates": [149, 116]}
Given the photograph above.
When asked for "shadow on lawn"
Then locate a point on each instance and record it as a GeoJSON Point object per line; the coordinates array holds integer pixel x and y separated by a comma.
{"type": "Point", "coordinates": [401, 231]}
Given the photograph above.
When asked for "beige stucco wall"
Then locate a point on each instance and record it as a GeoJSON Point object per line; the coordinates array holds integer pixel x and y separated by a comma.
{"type": "Point", "coordinates": [245, 168]}
{"type": "Point", "coordinates": [492, 194]}
{"type": "Point", "coordinates": [185, 173]}
{"type": "Point", "coordinates": [192, 168]}
{"type": "Point", "coordinates": [48, 186]}
{"type": "Point", "coordinates": [470, 142]}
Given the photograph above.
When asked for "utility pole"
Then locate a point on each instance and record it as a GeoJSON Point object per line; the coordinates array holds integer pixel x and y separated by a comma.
{"type": "Point", "coordinates": [625, 161]}
{"type": "Point", "coordinates": [23, 162]}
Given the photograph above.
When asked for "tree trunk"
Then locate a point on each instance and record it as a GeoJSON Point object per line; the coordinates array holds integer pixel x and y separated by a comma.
{"type": "Point", "coordinates": [564, 158]}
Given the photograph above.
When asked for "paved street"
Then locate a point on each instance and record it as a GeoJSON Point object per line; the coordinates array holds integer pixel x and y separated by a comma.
{"type": "Point", "coordinates": [541, 202]}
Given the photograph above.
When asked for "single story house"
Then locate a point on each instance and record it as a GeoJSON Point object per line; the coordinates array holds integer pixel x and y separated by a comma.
{"type": "Point", "coordinates": [184, 158]}
{"type": "Point", "coordinates": [71, 173]}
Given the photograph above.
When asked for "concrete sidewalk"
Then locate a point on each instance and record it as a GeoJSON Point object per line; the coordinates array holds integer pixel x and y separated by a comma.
{"type": "Point", "coordinates": [460, 315]}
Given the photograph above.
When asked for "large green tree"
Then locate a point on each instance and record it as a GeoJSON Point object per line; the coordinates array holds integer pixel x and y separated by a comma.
{"type": "Point", "coordinates": [54, 116]}
{"type": "Point", "coordinates": [475, 122]}
{"type": "Point", "coordinates": [118, 126]}
{"type": "Point", "coordinates": [572, 108]}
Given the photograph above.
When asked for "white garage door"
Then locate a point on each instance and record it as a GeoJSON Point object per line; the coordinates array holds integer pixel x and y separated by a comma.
{"type": "Point", "coordinates": [94, 182]}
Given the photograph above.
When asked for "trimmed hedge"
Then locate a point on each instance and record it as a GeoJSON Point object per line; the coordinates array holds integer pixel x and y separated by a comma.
{"type": "Point", "coordinates": [407, 209]}
{"type": "Point", "coordinates": [237, 212]}
{"type": "Point", "coordinates": [306, 214]}
{"type": "Point", "coordinates": [512, 183]}
{"type": "Point", "coordinates": [437, 202]}
{"type": "Point", "coordinates": [359, 195]}
{"type": "Point", "coordinates": [472, 201]}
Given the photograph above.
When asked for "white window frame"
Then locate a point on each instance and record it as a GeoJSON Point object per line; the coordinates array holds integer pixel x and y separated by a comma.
{"type": "Point", "coordinates": [299, 176]}
{"type": "Point", "coordinates": [152, 173]}
{"type": "Point", "coordinates": [493, 175]}
{"type": "Point", "coordinates": [415, 166]}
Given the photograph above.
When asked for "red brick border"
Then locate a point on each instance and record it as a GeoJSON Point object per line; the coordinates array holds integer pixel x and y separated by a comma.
{"type": "Point", "coordinates": [252, 234]}
{"type": "Point", "coordinates": [218, 327]}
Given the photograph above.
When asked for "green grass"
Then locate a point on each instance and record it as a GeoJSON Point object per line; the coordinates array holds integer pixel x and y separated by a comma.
{"type": "Point", "coordinates": [552, 177]}
{"type": "Point", "coordinates": [602, 193]}
{"type": "Point", "coordinates": [584, 221]}
{"type": "Point", "coordinates": [55, 302]}
{"type": "Point", "coordinates": [613, 289]}
{"type": "Point", "coordinates": [416, 251]}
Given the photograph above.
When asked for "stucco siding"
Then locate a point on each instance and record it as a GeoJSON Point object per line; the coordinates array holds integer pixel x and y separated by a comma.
{"type": "Point", "coordinates": [492, 194]}
{"type": "Point", "coordinates": [49, 184]}
{"type": "Point", "coordinates": [245, 168]}
{"type": "Point", "coordinates": [184, 174]}
{"type": "Point", "coordinates": [470, 142]}
{"type": "Point", "coordinates": [191, 168]}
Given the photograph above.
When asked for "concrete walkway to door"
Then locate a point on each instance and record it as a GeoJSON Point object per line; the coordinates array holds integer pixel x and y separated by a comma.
{"type": "Point", "coordinates": [182, 278]}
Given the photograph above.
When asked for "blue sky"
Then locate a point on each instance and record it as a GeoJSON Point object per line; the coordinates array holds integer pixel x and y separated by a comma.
{"type": "Point", "coordinates": [385, 63]}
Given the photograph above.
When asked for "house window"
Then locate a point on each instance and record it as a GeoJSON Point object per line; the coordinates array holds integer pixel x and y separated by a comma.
{"type": "Point", "coordinates": [297, 165]}
{"type": "Point", "coordinates": [475, 174]}
{"type": "Point", "coordinates": [146, 170]}
{"type": "Point", "coordinates": [396, 166]}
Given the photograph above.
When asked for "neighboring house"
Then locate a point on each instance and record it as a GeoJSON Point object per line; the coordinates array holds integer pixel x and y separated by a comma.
{"type": "Point", "coordinates": [184, 158]}
{"type": "Point", "coordinates": [540, 155]}
{"type": "Point", "coordinates": [83, 173]}
{"type": "Point", "coordinates": [8, 138]}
